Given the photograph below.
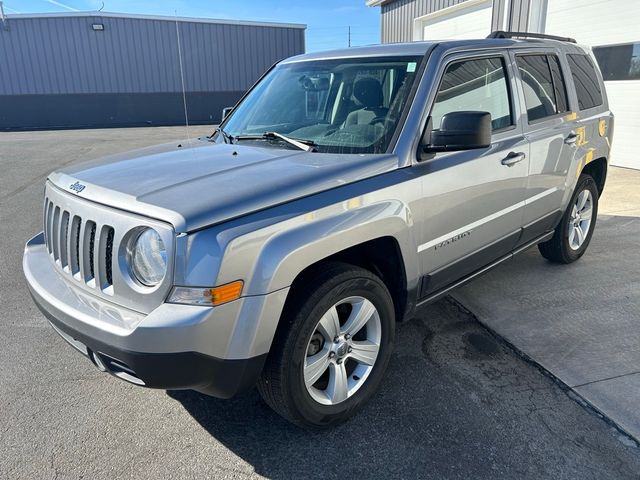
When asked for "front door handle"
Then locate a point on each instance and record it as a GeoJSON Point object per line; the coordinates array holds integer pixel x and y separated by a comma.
{"type": "Point", "coordinates": [571, 139]}
{"type": "Point", "coordinates": [513, 158]}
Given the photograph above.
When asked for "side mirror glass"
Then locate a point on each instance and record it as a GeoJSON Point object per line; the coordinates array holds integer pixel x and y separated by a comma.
{"type": "Point", "coordinates": [464, 130]}
{"type": "Point", "coordinates": [225, 112]}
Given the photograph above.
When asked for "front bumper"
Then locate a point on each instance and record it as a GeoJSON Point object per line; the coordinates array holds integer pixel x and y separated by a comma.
{"type": "Point", "coordinates": [219, 351]}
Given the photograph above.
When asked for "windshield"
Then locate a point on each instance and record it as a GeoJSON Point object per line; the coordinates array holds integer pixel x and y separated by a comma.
{"type": "Point", "coordinates": [342, 106]}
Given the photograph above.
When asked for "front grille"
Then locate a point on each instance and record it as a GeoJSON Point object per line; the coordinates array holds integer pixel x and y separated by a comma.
{"type": "Point", "coordinates": [79, 247]}
{"type": "Point", "coordinates": [85, 240]}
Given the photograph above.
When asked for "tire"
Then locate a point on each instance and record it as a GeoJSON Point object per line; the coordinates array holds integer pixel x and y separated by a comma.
{"type": "Point", "coordinates": [301, 339]}
{"type": "Point", "coordinates": [573, 233]}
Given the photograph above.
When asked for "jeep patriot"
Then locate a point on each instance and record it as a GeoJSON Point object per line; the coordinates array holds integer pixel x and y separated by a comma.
{"type": "Point", "coordinates": [343, 191]}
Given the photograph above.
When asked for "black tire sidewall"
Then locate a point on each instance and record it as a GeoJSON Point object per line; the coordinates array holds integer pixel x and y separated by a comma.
{"type": "Point", "coordinates": [305, 407]}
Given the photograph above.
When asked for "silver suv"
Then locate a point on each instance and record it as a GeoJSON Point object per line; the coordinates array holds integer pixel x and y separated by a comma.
{"type": "Point", "coordinates": [343, 191]}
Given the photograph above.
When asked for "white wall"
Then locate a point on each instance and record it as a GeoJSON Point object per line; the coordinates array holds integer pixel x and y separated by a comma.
{"type": "Point", "coordinates": [594, 22]}
{"type": "Point", "coordinates": [470, 19]}
{"type": "Point", "coordinates": [605, 22]}
{"type": "Point", "coordinates": [624, 100]}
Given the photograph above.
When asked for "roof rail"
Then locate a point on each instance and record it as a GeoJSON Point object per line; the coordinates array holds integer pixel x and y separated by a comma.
{"type": "Point", "coordinates": [502, 34]}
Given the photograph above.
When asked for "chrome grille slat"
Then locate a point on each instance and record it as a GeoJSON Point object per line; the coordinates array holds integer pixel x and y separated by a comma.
{"type": "Point", "coordinates": [98, 262]}
{"type": "Point", "coordinates": [74, 245]}
{"type": "Point", "coordinates": [50, 227]}
{"type": "Point", "coordinates": [88, 240]}
{"type": "Point", "coordinates": [82, 252]}
{"type": "Point", "coordinates": [64, 240]}
{"type": "Point", "coordinates": [55, 233]}
{"type": "Point", "coordinates": [45, 222]}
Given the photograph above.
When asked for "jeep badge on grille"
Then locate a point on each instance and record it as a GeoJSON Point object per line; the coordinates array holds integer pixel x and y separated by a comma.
{"type": "Point", "coordinates": [77, 187]}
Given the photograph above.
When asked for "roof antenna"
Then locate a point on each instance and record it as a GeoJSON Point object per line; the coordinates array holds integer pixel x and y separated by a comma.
{"type": "Point", "coordinates": [184, 95]}
{"type": "Point", "coordinates": [100, 9]}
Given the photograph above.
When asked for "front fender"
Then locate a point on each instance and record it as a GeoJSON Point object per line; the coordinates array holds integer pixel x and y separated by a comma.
{"type": "Point", "coordinates": [269, 257]}
{"type": "Point", "coordinates": [290, 251]}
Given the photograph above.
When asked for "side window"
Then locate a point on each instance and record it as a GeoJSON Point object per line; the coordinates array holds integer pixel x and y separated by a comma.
{"type": "Point", "coordinates": [559, 86]}
{"type": "Point", "coordinates": [544, 90]}
{"type": "Point", "coordinates": [478, 85]}
{"type": "Point", "coordinates": [585, 80]}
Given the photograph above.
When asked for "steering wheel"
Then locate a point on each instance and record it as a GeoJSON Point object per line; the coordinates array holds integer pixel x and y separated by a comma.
{"type": "Point", "coordinates": [385, 120]}
{"type": "Point", "coordinates": [379, 119]}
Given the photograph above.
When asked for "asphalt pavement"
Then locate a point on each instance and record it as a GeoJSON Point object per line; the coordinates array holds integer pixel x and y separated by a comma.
{"type": "Point", "coordinates": [457, 401]}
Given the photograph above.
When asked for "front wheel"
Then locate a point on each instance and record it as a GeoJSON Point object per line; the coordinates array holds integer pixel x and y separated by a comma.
{"type": "Point", "coordinates": [332, 347]}
{"type": "Point", "coordinates": [573, 233]}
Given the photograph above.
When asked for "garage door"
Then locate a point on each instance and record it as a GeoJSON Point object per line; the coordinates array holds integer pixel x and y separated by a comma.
{"type": "Point", "coordinates": [607, 23]}
{"type": "Point", "coordinates": [459, 22]}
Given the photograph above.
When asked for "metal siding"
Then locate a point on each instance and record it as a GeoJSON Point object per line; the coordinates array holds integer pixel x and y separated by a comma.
{"type": "Point", "coordinates": [499, 8]}
{"type": "Point", "coordinates": [63, 55]}
{"type": "Point", "coordinates": [518, 19]}
{"type": "Point", "coordinates": [398, 16]}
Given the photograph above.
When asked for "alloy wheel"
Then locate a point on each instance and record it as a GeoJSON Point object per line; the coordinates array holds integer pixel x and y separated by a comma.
{"type": "Point", "coordinates": [580, 219]}
{"type": "Point", "coordinates": [342, 350]}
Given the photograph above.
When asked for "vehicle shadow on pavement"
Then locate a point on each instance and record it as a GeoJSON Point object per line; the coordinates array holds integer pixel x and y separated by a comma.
{"type": "Point", "coordinates": [456, 402]}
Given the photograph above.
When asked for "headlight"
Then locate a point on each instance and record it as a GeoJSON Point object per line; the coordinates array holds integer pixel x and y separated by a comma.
{"type": "Point", "coordinates": [149, 258]}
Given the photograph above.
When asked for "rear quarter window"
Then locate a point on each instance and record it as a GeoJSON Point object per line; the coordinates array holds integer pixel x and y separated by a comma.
{"type": "Point", "coordinates": [543, 85]}
{"type": "Point", "coordinates": [585, 79]}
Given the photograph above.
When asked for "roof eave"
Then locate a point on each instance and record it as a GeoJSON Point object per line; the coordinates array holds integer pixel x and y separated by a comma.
{"type": "Point", "coordinates": [155, 17]}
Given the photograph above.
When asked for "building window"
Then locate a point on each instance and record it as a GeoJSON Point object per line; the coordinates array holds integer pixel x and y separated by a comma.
{"type": "Point", "coordinates": [586, 81]}
{"type": "Point", "coordinates": [478, 85]}
{"type": "Point", "coordinates": [619, 62]}
{"type": "Point", "coordinates": [544, 88]}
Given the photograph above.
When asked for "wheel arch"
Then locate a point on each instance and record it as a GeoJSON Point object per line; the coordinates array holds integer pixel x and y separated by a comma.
{"type": "Point", "coordinates": [381, 256]}
{"type": "Point", "coordinates": [597, 169]}
{"type": "Point", "coordinates": [377, 237]}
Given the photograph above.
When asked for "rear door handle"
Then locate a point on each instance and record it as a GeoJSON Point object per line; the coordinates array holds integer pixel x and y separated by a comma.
{"type": "Point", "coordinates": [513, 158]}
{"type": "Point", "coordinates": [571, 139]}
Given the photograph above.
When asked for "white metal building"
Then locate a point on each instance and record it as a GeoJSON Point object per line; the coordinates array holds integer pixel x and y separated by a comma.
{"type": "Point", "coordinates": [610, 27]}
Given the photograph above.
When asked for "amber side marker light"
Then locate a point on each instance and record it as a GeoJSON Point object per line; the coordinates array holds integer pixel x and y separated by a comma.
{"type": "Point", "coordinates": [207, 296]}
{"type": "Point", "coordinates": [226, 293]}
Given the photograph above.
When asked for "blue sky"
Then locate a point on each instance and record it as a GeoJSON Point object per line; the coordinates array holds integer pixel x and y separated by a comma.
{"type": "Point", "coordinates": [327, 20]}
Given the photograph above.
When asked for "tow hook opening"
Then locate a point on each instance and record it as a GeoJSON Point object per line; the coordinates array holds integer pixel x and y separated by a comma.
{"type": "Point", "coordinates": [97, 361]}
{"type": "Point", "coordinates": [115, 367]}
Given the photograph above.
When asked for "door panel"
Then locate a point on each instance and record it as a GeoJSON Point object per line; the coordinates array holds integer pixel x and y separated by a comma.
{"type": "Point", "coordinates": [472, 208]}
{"type": "Point", "coordinates": [472, 205]}
{"type": "Point", "coordinates": [549, 164]}
{"type": "Point", "coordinates": [552, 133]}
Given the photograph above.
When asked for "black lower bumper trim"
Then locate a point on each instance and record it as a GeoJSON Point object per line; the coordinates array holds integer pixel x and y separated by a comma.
{"type": "Point", "coordinates": [182, 370]}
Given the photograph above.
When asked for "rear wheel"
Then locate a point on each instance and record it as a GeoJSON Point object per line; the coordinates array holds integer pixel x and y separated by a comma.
{"type": "Point", "coordinates": [332, 348]}
{"type": "Point", "coordinates": [573, 233]}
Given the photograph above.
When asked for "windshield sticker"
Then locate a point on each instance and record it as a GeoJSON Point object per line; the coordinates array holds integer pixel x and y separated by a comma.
{"type": "Point", "coordinates": [411, 67]}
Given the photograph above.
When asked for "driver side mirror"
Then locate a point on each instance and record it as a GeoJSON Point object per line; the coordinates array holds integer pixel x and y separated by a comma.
{"type": "Point", "coordinates": [225, 112]}
{"type": "Point", "coordinates": [464, 130]}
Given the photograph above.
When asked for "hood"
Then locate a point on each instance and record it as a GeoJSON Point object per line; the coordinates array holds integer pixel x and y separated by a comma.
{"type": "Point", "coordinates": [199, 183]}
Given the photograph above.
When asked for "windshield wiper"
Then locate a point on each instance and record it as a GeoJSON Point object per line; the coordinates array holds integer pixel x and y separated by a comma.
{"type": "Point", "coordinates": [227, 138]}
{"type": "Point", "coordinates": [306, 145]}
